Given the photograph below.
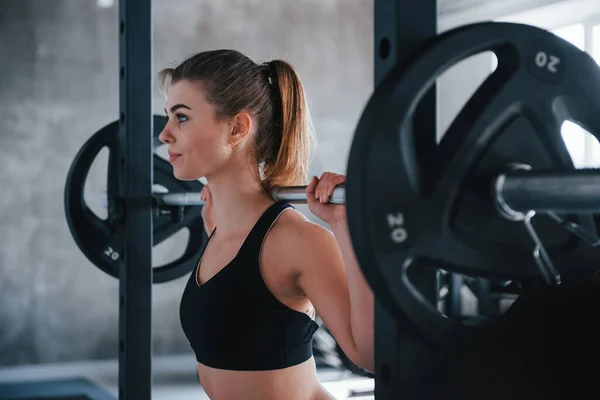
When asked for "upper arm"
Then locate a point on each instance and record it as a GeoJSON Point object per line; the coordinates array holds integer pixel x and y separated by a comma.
{"type": "Point", "coordinates": [319, 266]}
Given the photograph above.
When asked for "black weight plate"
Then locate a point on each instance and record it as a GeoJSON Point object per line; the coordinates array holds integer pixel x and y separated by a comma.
{"type": "Point", "coordinates": [405, 214]}
{"type": "Point", "coordinates": [99, 239]}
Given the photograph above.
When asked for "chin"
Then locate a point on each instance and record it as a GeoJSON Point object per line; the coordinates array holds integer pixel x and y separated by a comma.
{"type": "Point", "coordinates": [184, 175]}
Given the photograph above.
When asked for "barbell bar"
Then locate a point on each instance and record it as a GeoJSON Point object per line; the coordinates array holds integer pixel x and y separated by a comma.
{"type": "Point", "coordinates": [516, 193]}
{"type": "Point", "coordinates": [292, 194]}
{"type": "Point", "coordinates": [520, 191]}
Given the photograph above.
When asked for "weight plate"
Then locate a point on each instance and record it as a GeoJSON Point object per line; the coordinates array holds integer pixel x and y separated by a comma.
{"type": "Point", "coordinates": [100, 240]}
{"type": "Point", "coordinates": [405, 214]}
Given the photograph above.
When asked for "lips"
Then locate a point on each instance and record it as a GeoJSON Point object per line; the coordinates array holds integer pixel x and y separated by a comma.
{"type": "Point", "coordinates": [173, 156]}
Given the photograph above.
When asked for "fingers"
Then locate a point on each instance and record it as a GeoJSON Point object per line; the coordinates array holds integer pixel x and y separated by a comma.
{"type": "Point", "coordinates": [310, 189]}
{"type": "Point", "coordinates": [207, 209]}
{"type": "Point", "coordinates": [326, 185]}
{"type": "Point", "coordinates": [205, 194]}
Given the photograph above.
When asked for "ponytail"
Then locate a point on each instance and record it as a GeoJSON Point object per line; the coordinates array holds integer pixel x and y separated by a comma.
{"type": "Point", "coordinates": [272, 93]}
{"type": "Point", "coordinates": [291, 134]}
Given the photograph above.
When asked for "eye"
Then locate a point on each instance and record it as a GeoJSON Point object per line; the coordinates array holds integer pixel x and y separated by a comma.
{"type": "Point", "coordinates": [181, 117]}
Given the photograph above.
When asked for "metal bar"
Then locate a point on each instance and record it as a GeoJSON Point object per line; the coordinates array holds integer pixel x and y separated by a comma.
{"type": "Point", "coordinates": [291, 194]}
{"type": "Point", "coordinates": [135, 186]}
{"type": "Point", "coordinates": [294, 194]}
{"type": "Point", "coordinates": [400, 28]}
{"type": "Point", "coordinates": [454, 302]}
{"type": "Point", "coordinates": [488, 303]}
{"type": "Point", "coordinates": [574, 191]}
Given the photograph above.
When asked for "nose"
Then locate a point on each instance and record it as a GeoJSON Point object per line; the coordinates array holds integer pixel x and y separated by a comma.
{"type": "Point", "coordinates": [165, 136]}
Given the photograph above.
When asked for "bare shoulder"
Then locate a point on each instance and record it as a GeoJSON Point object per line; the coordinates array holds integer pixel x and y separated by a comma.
{"type": "Point", "coordinates": [294, 228]}
{"type": "Point", "coordinates": [294, 239]}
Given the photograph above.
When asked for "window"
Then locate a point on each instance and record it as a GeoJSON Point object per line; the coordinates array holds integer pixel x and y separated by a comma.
{"type": "Point", "coordinates": [573, 135]}
{"type": "Point", "coordinates": [572, 33]}
{"type": "Point", "coordinates": [583, 147]}
{"type": "Point", "coordinates": [595, 52]}
{"type": "Point", "coordinates": [596, 43]}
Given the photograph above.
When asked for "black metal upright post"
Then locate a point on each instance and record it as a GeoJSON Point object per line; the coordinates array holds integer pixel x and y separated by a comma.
{"type": "Point", "coordinates": [400, 27]}
{"type": "Point", "coordinates": [135, 144]}
{"type": "Point", "coordinates": [454, 302]}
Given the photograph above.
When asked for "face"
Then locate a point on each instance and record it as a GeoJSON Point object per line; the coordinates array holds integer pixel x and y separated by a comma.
{"type": "Point", "coordinates": [199, 144]}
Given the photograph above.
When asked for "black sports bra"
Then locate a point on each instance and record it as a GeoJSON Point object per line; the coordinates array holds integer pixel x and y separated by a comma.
{"type": "Point", "coordinates": [234, 322]}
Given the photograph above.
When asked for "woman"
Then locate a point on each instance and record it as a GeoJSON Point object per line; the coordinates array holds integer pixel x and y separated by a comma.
{"type": "Point", "coordinates": [248, 308]}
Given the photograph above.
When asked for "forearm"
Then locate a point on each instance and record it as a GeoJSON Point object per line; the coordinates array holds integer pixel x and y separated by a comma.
{"type": "Point", "coordinates": [362, 307]}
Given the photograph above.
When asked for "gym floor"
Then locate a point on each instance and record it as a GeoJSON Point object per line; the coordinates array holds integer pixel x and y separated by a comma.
{"type": "Point", "coordinates": [174, 377]}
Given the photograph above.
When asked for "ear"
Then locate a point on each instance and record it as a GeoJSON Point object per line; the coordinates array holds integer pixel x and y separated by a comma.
{"type": "Point", "coordinates": [241, 127]}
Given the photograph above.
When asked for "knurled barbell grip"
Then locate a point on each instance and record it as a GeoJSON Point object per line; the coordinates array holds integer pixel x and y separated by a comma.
{"type": "Point", "coordinates": [292, 194]}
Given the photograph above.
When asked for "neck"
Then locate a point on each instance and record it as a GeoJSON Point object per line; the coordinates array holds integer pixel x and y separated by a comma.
{"type": "Point", "coordinates": [238, 200]}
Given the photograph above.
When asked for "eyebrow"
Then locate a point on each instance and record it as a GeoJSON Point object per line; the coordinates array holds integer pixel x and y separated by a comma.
{"type": "Point", "coordinates": [177, 107]}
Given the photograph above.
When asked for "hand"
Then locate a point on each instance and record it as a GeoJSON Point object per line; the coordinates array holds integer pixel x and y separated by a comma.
{"type": "Point", "coordinates": [207, 210]}
{"type": "Point", "coordinates": [318, 194]}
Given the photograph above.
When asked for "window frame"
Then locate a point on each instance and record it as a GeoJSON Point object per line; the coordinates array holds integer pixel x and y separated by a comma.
{"type": "Point", "coordinates": [591, 158]}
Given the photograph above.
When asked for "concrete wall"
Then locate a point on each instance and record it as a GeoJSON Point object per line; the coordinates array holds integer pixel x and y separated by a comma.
{"type": "Point", "coordinates": [59, 84]}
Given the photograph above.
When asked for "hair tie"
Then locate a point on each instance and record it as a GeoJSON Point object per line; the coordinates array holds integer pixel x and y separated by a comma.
{"type": "Point", "coordinates": [270, 72]}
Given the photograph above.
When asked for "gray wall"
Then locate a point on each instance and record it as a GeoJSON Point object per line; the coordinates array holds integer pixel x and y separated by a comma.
{"type": "Point", "coordinates": [59, 84]}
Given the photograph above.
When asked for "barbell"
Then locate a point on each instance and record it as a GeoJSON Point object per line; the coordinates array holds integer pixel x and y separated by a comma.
{"type": "Point", "coordinates": [101, 240]}
{"type": "Point", "coordinates": [495, 196]}
{"type": "Point", "coordinates": [501, 200]}
{"type": "Point", "coordinates": [289, 194]}
{"type": "Point", "coordinates": [175, 207]}
{"type": "Point", "coordinates": [514, 193]}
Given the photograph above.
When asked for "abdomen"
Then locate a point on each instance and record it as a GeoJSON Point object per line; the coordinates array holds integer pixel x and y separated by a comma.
{"type": "Point", "coordinates": [299, 382]}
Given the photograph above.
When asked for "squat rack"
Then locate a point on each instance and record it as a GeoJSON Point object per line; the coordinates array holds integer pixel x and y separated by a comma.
{"type": "Point", "coordinates": [400, 27]}
{"type": "Point", "coordinates": [135, 187]}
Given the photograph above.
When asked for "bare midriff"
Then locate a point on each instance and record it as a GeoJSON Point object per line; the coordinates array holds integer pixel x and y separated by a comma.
{"type": "Point", "coordinates": [299, 382]}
